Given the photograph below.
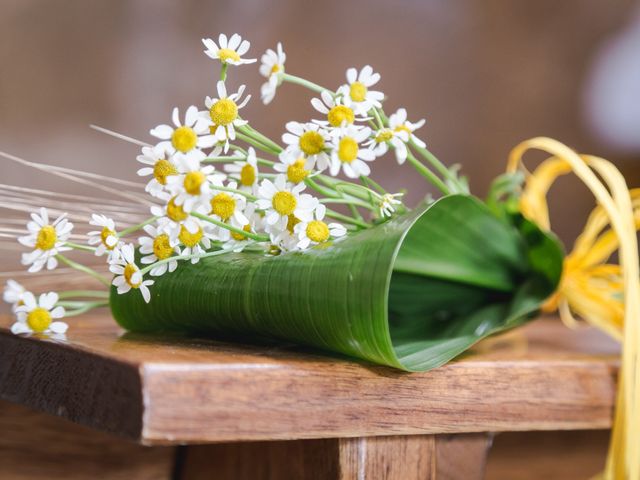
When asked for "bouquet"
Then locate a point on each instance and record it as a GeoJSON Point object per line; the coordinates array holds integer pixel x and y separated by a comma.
{"type": "Point", "coordinates": [242, 237]}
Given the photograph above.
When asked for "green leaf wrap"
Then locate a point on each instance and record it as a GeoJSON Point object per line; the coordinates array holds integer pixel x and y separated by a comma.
{"type": "Point", "coordinates": [412, 293]}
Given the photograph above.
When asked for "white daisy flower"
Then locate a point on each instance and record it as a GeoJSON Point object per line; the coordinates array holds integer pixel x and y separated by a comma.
{"type": "Point", "coordinates": [228, 51]}
{"type": "Point", "coordinates": [381, 140]}
{"type": "Point", "coordinates": [316, 230]}
{"type": "Point", "coordinates": [158, 246]}
{"type": "Point", "coordinates": [279, 200]}
{"type": "Point", "coordinates": [388, 202]}
{"type": "Point", "coordinates": [191, 187]}
{"type": "Point", "coordinates": [271, 67]}
{"type": "Point", "coordinates": [356, 93]}
{"type": "Point", "coordinates": [282, 235]}
{"type": "Point", "coordinates": [228, 207]}
{"type": "Point", "coordinates": [246, 172]}
{"type": "Point", "coordinates": [348, 155]}
{"type": "Point", "coordinates": [36, 316]}
{"type": "Point", "coordinates": [295, 168]}
{"type": "Point", "coordinates": [171, 216]}
{"type": "Point", "coordinates": [128, 274]}
{"type": "Point", "coordinates": [223, 113]}
{"type": "Point", "coordinates": [161, 166]}
{"type": "Point", "coordinates": [47, 240]}
{"type": "Point", "coordinates": [106, 238]}
{"type": "Point", "coordinates": [185, 137]}
{"type": "Point", "coordinates": [338, 114]}
{"type": "Point", "coordinates": [398, 123]}
{"type": "Point", "coordinates": [307, 140]}
{"type": "Point", "coordinates": [196, 241]}
{"type": "Point", "coordinates": [237, 241]}
{"type": "Point", "coordinates": [14, 294]}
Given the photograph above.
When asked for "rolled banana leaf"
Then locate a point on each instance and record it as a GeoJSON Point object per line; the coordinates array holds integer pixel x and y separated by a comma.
{"type": "Point", "coordinates": [412, 293]}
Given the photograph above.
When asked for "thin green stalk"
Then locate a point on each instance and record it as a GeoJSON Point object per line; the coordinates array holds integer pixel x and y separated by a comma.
{"type": "Point", "coordinates": [348, 201]}
{"type": "Point", "coordinates": [86, 308]}
{"type": "Point", "coordinates": [184, 257]}
{"type": "Point", "coordinates": [83, 293]}
{"type": "Point", "coordinates": [84, 269]}
{"type": "Point", "coordinates": [223, 71]}
{"type": "Point", "coordinates": [261, 137]}
{"type": "Point", "coordinates": [253, 236]}
{"type": "Point", "coordinates": [255, 143]}
{"type": "Point", "coordinates": [377, 117]}
{"type": "Point", "coordinates": [235, 190]}
{"type": "Point", "coordinates": [435, 162]}
{"type": "Point", "coordinates": [374, 184]}
{"type": "Point", "coordinates": [354, 212]}
{"type": "Point", "coordinates": [426, 173]}
{"type": "Point", "coordinates": [77, 246]}
{"type": "Point", "coordinates": [304, 83]}
{"type": "Point", "coordinates": [320, 189]}
{"type": "Point", "coordinates": [135, 228]}
{"type": "Point", "coordinates": [223, 159]}
{"type": "Point", "coordinates": [346, 219]}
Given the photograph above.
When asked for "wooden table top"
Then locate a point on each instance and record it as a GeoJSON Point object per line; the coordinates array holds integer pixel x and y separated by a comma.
{"type": "Point", "coordinates": [172, 390]}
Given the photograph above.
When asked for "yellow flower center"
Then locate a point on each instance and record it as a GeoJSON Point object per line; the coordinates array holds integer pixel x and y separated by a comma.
{"type": "Point", "coordinates": [384, 136]}
{"type": "Point", "coordinates": [176, 212]}
{"type": "Point", "coordinates": [247, 175]}
{"type": "Point", "coordinates": [358, 92]}
{"type": "Point", "coordinates": [275, 69]}
{"type": "Point", "coordinates": [347, 150]}
{"type": "Point", "coordinates": [223, 205]}
{"type": "Point", "coordinates": [184, 139]}
{"type": "Point", "coordinates": [296, 172]}
{"type": "Point", "coordinates": [162, 246]}
{"type": "Point", "coordinates": [190, 239]}
{"type": "Point", "coordinates": [403, 128]}
{"type": "Point", "coordinates": [224, 111]}
{"type": "Point", "coordinates": [106, 233]}
{"type": "Point", "coordinates": [292, 221]}
{"type": "Point", "coordinates": [339, 114]}
{"type": "Point", "coordinates": [193, 181]}
{"type": "Point", "coordinates": [227, 54]}
{"type": "Point", "coordinates": [39, 319]}
{"type": "Point", "coordinates": [238, 236]}
{"type": "Point", "coordinates": [317, 231]}
{"type": "Point", "coordinates": [47, 237]}
{"type": "Point", "coordinates": [284, 203]}
{"type": "Point", "coordinates": [162, 169]}
{"type": "Point", "coordinates": [129, 270]}
{"type": "Point", "coordinates": [311, 143]}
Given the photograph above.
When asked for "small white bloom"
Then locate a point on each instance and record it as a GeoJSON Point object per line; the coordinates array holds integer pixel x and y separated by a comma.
{"type": "Point", "coordinates": [280, 200]}
{"type": "Point", "coordinates": [307, 140]}
{"type": "Point", "coordinates": [158, 246]}
{"type": "Point", "coordinates": [228, 51]}
{"type": "Point", "coordinates": [223, 115]}
{"type": "Point", "coordinates": [14, 294]}
{"type": "Point", "coordinates": [388, 203]}
{"type": "Point", "coordinates": [237, 241]}
{"type": "Point", "coordinates": [161, 166]}
{"type": "Point", "coordinates": [246, 172]}
{"type": "Point", "coordinates": [172, 216]}
{"type": "Point", "coordinates": [316, 230]}
{"type": "Point", "coordinates": [398, 122]}
{"type": "Point", "coordinates": [185, 137]}
{"type": "Point", "coordinates": [106, 238]}
{"type": "Point", "coordinates": [381, 140]}
{"type": "Point", "coordinates": [338, 114]}
{"type": "Point", "coordinates": [348, 155]}
{"type": "Point", "coordinates": [191, 187]}
{"type": "Point", "coordinates": [37, 315]}
{"type": "Point", "coordinates": [356, 93]}
{"type": "Point", "coordinates": [47, 240]}
{"type": "Point", "coordinates": [196, 241]}
{"type": "Point", "coordinates": [282, 235]}
{"type": "Point", "coordinates": [295, 168]}
{"type": "Point", "coordinates": [271, 67]}
{"type": "Point", "coordinates": [228, 207]}
{"type": "Point", "coordinates": [128, 275]}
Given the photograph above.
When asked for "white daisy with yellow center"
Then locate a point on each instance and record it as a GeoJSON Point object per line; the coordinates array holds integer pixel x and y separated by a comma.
{"type": "Point", "coordinates": [348, 155]}
{"type": "Point", "coordinates": [308, 140]}
{"type": "Point", "coordinates": [398, 123]}
{"type": "Point", "coordinates": [228, 51]}
{"type": "Point", "coordinates": [47, 239]}
{"type": "Point", "coordinates": [222, 114]}
{"type": "Point", "coordinates": [171, 216]}
{"type": "Point", "coordinates": [236, 241]}
{"type": "Point", "coordinates": [282, 236]}
{"type": "Point", "coordinates": [271, 67]}
{"type": "Point", "coordinates": [388, 204]}
{"type": "Point", "coordinates": [37, 316]}
{"type": "Point", "coordinates": [195, 239]}
{"type": "Point", "coordinates": [245, 172]}
{"type": "Point", "coordinates": [280, 199]}
{"type": "Point", "coordinates": [316, 230]}
{"type": "Point", "coordinates": [338, 114]}
{"type": "Point", "coordinates": [384, 138]}
{"type": "Point", "coordinates": [128, 275]}
{"type": "Point", "coordinates": [13, 294]}
{"type": "Point", "coordinates": [106, 238]}
{"type": "Point", "coordinates": [191, 186]}
{"type": "Point", "coordinates": [356, 93]}
{"type": "Point", "coordinates": [228, 207]}
{"type": "Point", "coordinates": [184, 137]}
{"type": "Point", "coordinates": [296, 168]}
{"type": "Point", "coordinates": [160, 165]}
{"type": "Point", "coordinates": [158, 245]}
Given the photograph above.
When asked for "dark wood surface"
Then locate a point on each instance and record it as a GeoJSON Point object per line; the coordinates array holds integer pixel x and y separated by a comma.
{"type": "Point", "coordinates": [170, 390]}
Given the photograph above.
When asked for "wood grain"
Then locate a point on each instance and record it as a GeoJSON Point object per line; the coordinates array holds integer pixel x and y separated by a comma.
{"type": "Point", "coordinates": [172, 390]}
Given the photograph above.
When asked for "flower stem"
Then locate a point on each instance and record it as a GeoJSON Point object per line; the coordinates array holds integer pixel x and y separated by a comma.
{"type": "Point", "coordinates": [249, 130]}
{"type": "Point", "coordinates": [135, 228]}
{"type": "Point", "coordinates": [253, 236]}
{"type": "Point", "coordinates": [223, 71]}
{"type": "Point", "coordinates": [235, 190]}
{"type": "Point", "coordinates": [347, 219]}
{"type": "Point", "coordinates": [304, 83]}
{"type": "Point", "coordinates": [255, 143]}
{"type": "Point", "coordinates": [184, 257]}
{"type": "Point", "coordinates": [77, 246]}
{"type": "Point", "coordinates": [438, 165]}
{"type": "Point", "coordinates": [427, 173]}
{"type": "Point", "coordinates": [224, 159]}
{"type": "Point", "coordinates": [84, 269]}
{"type": "Point", "coordinates": [86, 308]}
{"type": "Point", "coordinates": [348, 201]}
{"type": "Point", "coordinates": [83, 293]}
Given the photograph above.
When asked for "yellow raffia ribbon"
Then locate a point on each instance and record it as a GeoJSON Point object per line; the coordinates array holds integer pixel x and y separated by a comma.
{"type": "Point", "coordinates": [606, 295]}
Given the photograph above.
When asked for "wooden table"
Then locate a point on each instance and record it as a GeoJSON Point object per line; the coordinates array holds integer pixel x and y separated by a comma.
{"type": "Point", "coordinates": [171, 407]}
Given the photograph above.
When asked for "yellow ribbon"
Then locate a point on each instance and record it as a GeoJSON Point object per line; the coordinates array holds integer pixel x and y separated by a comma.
{"type": "Point", "coordinates": [606, 295]}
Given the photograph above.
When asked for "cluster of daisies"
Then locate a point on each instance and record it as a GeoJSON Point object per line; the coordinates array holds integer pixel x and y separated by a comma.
{"type": "Point", "coordinates": [221, 186]}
